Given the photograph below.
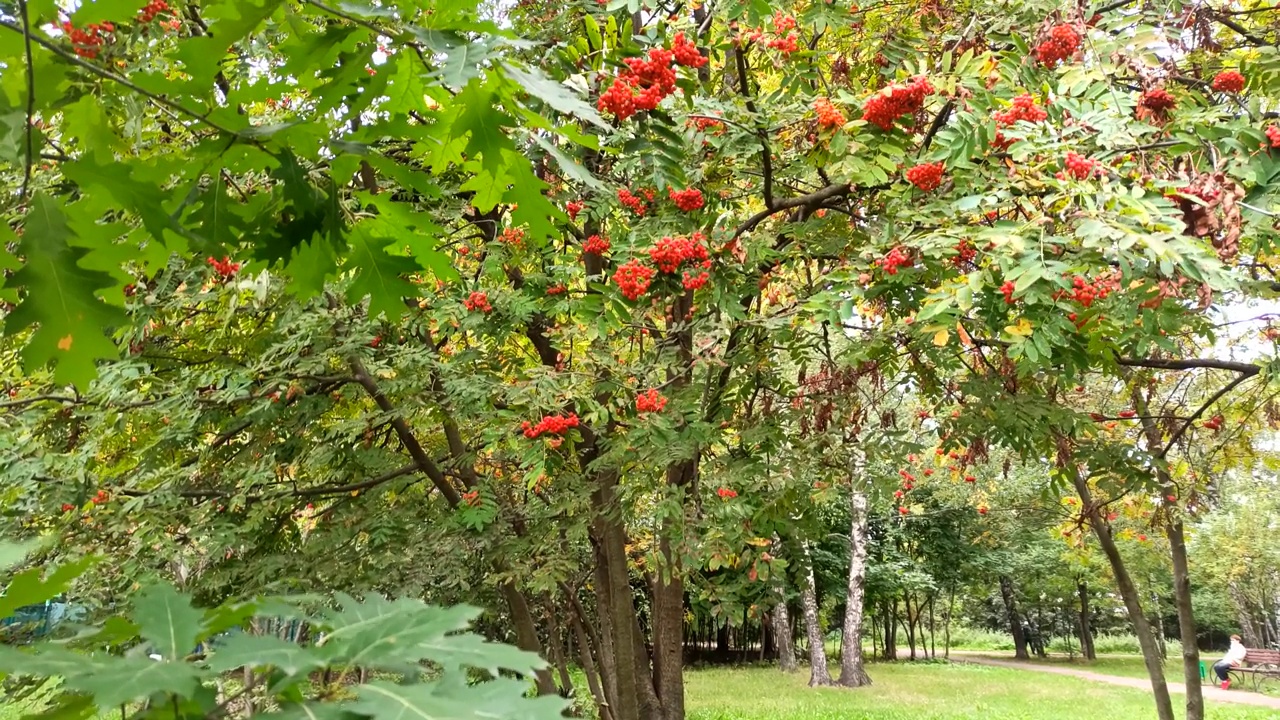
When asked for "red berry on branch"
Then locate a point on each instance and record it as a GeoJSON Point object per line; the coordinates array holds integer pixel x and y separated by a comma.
{"type": "Point", "coordinates": [1062, 44]}
{"type": "Point", "coordinates": [927, 177]}
{"type": "Point", "coordinates": [1228, 81]}
{"type": "Point", "coordinates": [891, 103]}
{"type": "Point", "coordinates": [478, 301]}
{"type": "Point", "coordinates": [596, 245]}
{"type": "Point", "coordinates": [633, 278]}
{"type": "Point", "coordinates": [828, 116]}
{"type": "Point", "coordinates": [651, 401]}
{"type": "Point", "coordinates": [726, 493]}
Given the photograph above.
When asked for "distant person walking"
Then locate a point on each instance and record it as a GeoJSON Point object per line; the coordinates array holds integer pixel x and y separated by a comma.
{"type": "Point", "coordinates": [1233, 658]}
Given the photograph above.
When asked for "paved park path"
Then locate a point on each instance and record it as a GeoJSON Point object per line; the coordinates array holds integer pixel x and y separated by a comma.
{"type": "Point", "coordinates": [1211, 694]}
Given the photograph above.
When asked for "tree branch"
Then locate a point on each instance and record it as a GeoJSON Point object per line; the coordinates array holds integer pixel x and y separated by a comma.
{"type": "Point", "coordinates": [31, 103]}
{"type": "Point", "coordinates": [1196, 415]}
{"type": "Point", "coordinates": [813, 199]}
{"type": "Point", "coordinates": [102, 73]}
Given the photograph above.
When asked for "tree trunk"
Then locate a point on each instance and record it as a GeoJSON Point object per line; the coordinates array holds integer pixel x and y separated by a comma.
{"type": "Point", "coordinates": [946, 623]}
{"type": "Point", "coordinates": [818, 672]}
{"type": "Point", "coordinates": [890, 647]}
{"type": "Point", "coordinates": [1129, 593]}
{"type": "Point", "coordinates": [556, 643]}
{"type": "Point", "coordinates": [1086, 623]}
{"type": "Point", "coordinates": [1015, 621]}
{"type": "Point", "coordinates": [852, 671]}
{"type": "Point", "coordinates": [527, 634]}
{"type": "Point", "coordinates": [1178, 553]}
{"type": "Point", "coordinates": [587, 658]}
{"type": "Point", "coordinates": [1186, 619]}
{"type": "Point", "coordinates": [668, 603]}
{"type": "Point", "coordinates": [782, 637]}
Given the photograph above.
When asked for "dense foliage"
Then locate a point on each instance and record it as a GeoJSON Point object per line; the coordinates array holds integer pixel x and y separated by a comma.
{"type": "Point", "coordinates": [597, 314]}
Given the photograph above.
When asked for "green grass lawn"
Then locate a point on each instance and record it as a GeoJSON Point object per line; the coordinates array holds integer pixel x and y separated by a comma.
{"type": "Point", "coordinates": [910, 691]}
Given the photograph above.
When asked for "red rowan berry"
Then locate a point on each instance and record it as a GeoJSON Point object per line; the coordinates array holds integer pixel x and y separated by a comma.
{"type": "Point", "coordinates": [1063, 43]}
{"type": "Point", "coordinates": [927, 177]}
{"type": "Point", "coordinates": [633, 279]}
{"type": "Point", "coordinates": [478, 301]}
{"type": "Point", "coordinates": [1228, 81]}
{"type": "Point", "coordinates": [596, 244]}
{"type": "Point", "coordinates": [891, 103]}
{"type": "Point", "coordinates": [651, 401]}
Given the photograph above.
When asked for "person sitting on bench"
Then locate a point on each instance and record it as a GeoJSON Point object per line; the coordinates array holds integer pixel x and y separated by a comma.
{"type": "Point", "coordinates": [1233, 658]}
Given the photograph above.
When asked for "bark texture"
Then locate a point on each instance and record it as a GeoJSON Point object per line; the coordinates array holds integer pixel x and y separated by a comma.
{"type": "Point", "coordinates": [1086, 622]}
{"type": "Point", "coordinates": [852, 671]}
{"type": "Point", "coordinates": [818, 672]}
{"type": "Point", "coordinates": [1015, 620]}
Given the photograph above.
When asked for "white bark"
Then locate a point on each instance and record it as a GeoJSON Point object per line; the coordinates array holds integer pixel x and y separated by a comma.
{"type": "Point", "coordinates": [818, 672]}
{"type": "Point", "coordinates": [852, 671]}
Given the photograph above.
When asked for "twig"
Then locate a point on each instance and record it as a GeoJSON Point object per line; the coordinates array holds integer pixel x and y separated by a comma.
{"type": "Point", "coordinates": [1196, 415]}
{"type": "Point", "coordinates": [107, 74]}
{"type": "Point", "coordinates": [31, 102]}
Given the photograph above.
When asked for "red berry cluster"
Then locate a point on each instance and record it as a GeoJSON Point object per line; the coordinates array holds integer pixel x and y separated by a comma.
{"type": "Point", "coordinates": [1086, 292]}
{"type": "Point", "coordinates": [1228, 81]}
{"type": "Point", "coordinates": [557, 290]}
{"type": "Point", "coordinates": [1273, 134]}
{"type": "Point", "coordinates": [783, 22]}
{"type": "Point", "coordinates": [893, 102]}
{"type": "Point", "coordinates": [893, 260]}
{"type": "Point", "coordinates": [86, 41]}
{"type": "Point", "coordinates": [633, 278]}
{"type": "Point", "coordinates": [1007, 290]}
{"type": "Point", "coordinates": [471, 498]}
{"type": "Point", "coordinates": [512, 236]}
{"type": "Point", "coordinates": [695, 281]}
{"type": "Point", "coordinates": [687, 200]}
{"type": "Point", "coordinates": [705, 123]}
{"type": "Point", "coordinates": [1214, 423]}
{"type": "Point", "coordinates": [152, 10]}
{"type": "Point", "coordinates": [100, 498]}
{"type": "Point", "coordinates": [1158, 100]}
{"type": "Point", "coordinates": [596, 244]}
{"type": "Point", "coordinates": [68, 507]}
{"type": "Point", "coordinates": [646, 82]}
{"type": "Point", "coordinates": [1063, 42]}
{"type": "Point", "coordinates": [572, 208]}
{"type": "Point", "coordinates": [224, 268]}
{"type": "Point", "coordinates": [927, 176]}
{"type": "Point", "coordinates": [828, 116]}
{"type": "Point", "coordinates": [965, 253]}
{"type": "Point", "coordinates": [1023, 109]}
{"type": "Point", "coordinates": [478, 301]}
{"type": "Point", "coordinates": [726, 493]}
{"type": "Point", "coordinates": [651, 401]}
{"type": "Point", "coordinates": [670, 253]}
{"type": "Point", "coordinates": [686, 53]}
{"type": "Point", "coordinates": [1081, 167]}
{"type": "Point", "coordinates": [638, 205]}
{"type": "Point", "coordinates": [786, 45]}
{"type": "Point", "coordinates": [549, 425]}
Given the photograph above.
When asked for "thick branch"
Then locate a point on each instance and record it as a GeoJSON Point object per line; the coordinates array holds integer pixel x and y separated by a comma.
{"type": "Point", "coordinates": [811, 200]}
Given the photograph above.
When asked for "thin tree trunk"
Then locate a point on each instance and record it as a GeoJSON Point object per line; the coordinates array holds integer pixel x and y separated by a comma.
{"type": "Point", "coordinates": [527, 634]}
{"type": "Point", "coordinates": [782, 636]}
{"type": "Point", "coordinates": [668, 604]}
{"type": "Point", "coordinates": [852, 671]}
{"type": "Point", "coordinates": [818, 672]}
{"type": "Point", "coordinates": [890, 648]}
{"type": "Point", "coordinates": [587, 658]}
{"type": "Point", "coordinates": [1015, 621]}
{"type": "Point", "coordinates": [1128, 592]}
{"type": "Point", "coordinates": [555, 642]}
{"type": "Point", "coordinates": [1178, 553]}
{"type": "Point", "coordinates": [1086, 623]}
{"type": "Point", "coordinates": [946, 622]}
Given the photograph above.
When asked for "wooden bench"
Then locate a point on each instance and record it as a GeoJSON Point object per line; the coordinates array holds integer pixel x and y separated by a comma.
{"type": "Point", "coordinates": [1258, 664]}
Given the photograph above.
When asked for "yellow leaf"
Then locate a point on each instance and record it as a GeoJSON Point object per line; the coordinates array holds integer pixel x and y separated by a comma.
{"type": "Point", "coordinates": [1022, 329]}
{"type": "Point", "coordinates": [963, 335]}
{"type": "Point", "coordinates": [941, 337]}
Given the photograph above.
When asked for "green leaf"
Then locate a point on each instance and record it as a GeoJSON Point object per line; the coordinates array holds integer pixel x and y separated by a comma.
{"type": "Point", "coordinates": [72, 323]}
{"type": "Point", "coordinates": [455, 700]}
{"type": "Point", "coordinates": [258, 651]}
{"type": "Point", "coordinates": [555, 94]}
{"type": "Point", "coordinates": [167, 620]}
{"type": "Point", "coordinates": [380, 276]}
{"type": "Point", "coordinates": [32, 587]}
{"type": "Point", "coordinates": [112, 681]}
{"type": "Point", "coordinates": [117, 180]}
{"type": "Point", "coordinates": [12, 553]}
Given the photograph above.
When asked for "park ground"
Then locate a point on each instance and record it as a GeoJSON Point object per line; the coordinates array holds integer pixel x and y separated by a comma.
{"type": "Point", "coordinates": [934, 691]}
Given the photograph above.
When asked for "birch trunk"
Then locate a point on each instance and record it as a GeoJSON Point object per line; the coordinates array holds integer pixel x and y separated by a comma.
{"type": "Point", "coordinates": [818, 672]}
{"type": "Point", "coordinates": [852, 671]}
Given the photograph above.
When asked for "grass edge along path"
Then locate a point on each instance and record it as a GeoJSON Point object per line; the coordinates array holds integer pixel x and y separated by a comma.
{"type": "Point", "coordinates": [1211, 693]}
